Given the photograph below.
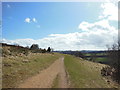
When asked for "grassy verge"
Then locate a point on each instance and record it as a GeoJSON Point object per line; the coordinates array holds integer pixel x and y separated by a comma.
{"type": "Point", "coordinates": [84, 74]}
{"type": "Point", "coordinates": [56, 82]}
{"type": "Point", "coordinates": [17, 69]}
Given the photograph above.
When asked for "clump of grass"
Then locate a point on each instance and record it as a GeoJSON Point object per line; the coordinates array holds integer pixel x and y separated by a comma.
{"type": "Point", "coordinates": [84, 74]}
{"type": "Point", "coordinates": [56, 82]}
{"type": "Point", "coordinates": [17, 69]}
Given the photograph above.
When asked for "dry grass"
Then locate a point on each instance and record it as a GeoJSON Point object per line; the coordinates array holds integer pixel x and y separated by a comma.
{"type": "Point", "coordinates": [18, 68]}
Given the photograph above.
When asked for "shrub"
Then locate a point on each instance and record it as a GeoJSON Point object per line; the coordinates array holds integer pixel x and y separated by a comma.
{"type": "Point", "coordinates": [49, 49]}
{"type": "Point", "coordinates": [34, 47]}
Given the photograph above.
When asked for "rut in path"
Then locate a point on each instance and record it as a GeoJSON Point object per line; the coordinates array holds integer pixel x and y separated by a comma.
{"type": "Point", "coordinates": [46, 77]}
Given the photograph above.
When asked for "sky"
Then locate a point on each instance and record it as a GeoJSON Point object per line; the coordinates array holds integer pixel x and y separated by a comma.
{"type": "Point", "coordinates": [60, 25]}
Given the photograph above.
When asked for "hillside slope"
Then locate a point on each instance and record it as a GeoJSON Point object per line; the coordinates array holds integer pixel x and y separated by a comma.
{"type": "Point", "coordinates": [18, 68]}
{"type": "Point", "coordinates": [85, 74]}
{"type": "Point", "coordinates": [20, 64]}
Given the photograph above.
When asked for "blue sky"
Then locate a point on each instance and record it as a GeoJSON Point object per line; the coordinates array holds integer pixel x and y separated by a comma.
{"type": "Point", "coordinates": [53, 18]}
{"type": "Point", "coordinates": [61, 25]}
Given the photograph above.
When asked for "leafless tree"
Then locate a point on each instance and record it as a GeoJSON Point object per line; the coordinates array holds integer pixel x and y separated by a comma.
{"type": "Point", "coordinates": [114, 60]}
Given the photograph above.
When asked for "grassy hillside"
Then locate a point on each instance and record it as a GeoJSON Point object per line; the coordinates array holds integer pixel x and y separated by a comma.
{"type": "Point", "coordinates": [84, 74]}
{"type": "Point", "coordinates": [18, 68]}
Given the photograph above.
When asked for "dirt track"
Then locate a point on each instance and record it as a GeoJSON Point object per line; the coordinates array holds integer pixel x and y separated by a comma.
{"type": "Point", "coordinates": [46, 77]}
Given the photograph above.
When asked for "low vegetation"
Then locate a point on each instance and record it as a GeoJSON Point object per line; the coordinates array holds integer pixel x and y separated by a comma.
{"type": "Point", "coordinates": [16, 69]}
{"type": "Point", "coordinates": [85, 74]}
{"type": "Point", "coordinates": [113, 57]}
{"type": "Point", "coordinates": [56, 82]}
{"type": "Point", "coordinates": [19, 63]}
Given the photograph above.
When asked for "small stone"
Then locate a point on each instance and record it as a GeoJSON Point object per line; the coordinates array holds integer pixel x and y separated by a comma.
{"type": "Point", "coordinates": [25, 61]}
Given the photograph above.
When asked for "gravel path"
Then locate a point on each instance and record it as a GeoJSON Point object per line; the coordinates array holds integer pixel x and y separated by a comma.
{"type": "Point", "coordinates": [46, 77]}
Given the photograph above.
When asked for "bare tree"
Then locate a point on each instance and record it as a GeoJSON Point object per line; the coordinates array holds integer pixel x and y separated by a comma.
{"type": "Point", "coordinates": [114, 60]}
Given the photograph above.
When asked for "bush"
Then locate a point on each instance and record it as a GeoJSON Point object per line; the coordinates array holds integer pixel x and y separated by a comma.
{"type": "Point", "coordinates": [49, 49]}
{"type": "Point", "coordinates": [114, 62]}
{"type": "Point", "coordinates": [78, 54]}
{"type": "Point", "coordinates": [34, 47]}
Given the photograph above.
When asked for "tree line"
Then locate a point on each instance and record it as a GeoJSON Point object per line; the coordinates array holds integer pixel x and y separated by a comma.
{"type": "Point", "coordinates": [14, 50]}
{"type": "Point", "coordinates": [35, 48]}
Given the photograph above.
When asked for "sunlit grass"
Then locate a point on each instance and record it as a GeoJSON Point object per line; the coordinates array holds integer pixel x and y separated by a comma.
{"type": "Point", "coordinates": [84, 74]}
{"type": "Point", "coordinates": [16, 69]}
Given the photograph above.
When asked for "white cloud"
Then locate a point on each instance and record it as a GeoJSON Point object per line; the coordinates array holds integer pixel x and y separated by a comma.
{"type": "Point", "coordinates": [27, 20]}
{"type": "Point", "coordinates": [110, 11]}
{"type": "Point", "coordinates": [95, 36]}
{"type": "Point", "coordinates": [92, 40]}
{"type": "Point", "coordinates": [85, 26]}
{"type": "Point", "coordinates": [100, 33]}
{"type": "Point", "coordinates": [34, 20]}
{"type": "Point", "coordinates": [102, 25]}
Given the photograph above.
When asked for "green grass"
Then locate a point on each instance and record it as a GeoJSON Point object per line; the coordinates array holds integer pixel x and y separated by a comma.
{"type": "Point", "coordinates": [101, 59]}
{"type": "Point", "coordinates": [15, 71]}
{"type": "Point", "coordinates": [98, 54]}
{"type": "Point", "coordinates": [87, 54]}
{"type": "Point", "coordinates": [97, 59]}
{"type": "Point", "coordinates": [84, 74]}
{"type": "Point", "coordinates": [56, 82]}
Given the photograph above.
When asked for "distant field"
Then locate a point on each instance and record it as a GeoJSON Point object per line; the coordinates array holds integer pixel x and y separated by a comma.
{"type": "Point", "coordinates": [98, 54]}
{"type": "Point", "coordinates": [84, 74]}
{"type": "Point", "coordinates": [99, 57]}
{"type": "Point", "coordinates": [17, 69]}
